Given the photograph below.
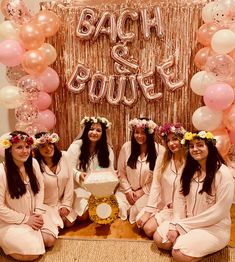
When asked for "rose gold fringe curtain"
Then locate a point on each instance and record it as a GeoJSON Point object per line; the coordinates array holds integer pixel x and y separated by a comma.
{"type": "Point", "coordinates": [181, 20]}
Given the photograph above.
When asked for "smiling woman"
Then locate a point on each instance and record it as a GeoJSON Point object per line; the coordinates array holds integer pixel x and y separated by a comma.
{"type": "Point", "coordinates": [89, 153]}
{"type": "Point", "coordinates": [203, 198]}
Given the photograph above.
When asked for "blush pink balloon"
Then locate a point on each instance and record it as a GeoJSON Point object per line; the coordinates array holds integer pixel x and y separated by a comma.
{"type": "Point", "coordinates": [219, 96]}
{"type": "Point", "coordinates": [46, 119]}
{"type": "Point", "coordinates": [43, 101]}
{"type": "Point", "coordinates": [50, 80]}
{"type": "Point", "coordinates": [11, 52]}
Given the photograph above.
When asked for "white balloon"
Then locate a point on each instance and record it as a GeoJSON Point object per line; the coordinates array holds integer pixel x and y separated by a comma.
{"type": "Point", "coordinates": [207, 12]}
{"type": "Point", "coordinates": [223, 41]}
{"type": "Point", "coordinates": [201, 80]}
{"type": "Point", "coordinates": [207, 119]}
{"type": "Point", "coordinates": [8, 30]}
{"type": "Point", "coordinates": [10, 97]}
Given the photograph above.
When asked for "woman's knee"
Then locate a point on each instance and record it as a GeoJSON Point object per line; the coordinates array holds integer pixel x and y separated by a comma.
{"type": "Point", "coordinates": [49, 240]}
{"type": "Point", "coordinates": [24, 257]}
{"type": "Point", "coordinates": [158, 240]}
{"type": "Point", "coordinates": [149, 229]}
{"type": "Point", "coordinates": [180, 257]}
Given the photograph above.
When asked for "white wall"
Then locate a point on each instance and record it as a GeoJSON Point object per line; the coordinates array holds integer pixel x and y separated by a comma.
{"type": "Point", "coordinates": [7, 119]}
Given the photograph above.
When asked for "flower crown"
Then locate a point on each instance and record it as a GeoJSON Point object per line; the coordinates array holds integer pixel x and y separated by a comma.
{"type": "Point", "coordinates": [95, 120]}
{"type": "Point", "coordinates": [143, 123]}
{"type": "Point", "coordinates": [46, 138]}
{"type": "Point", "coordinates": [8, 140]}
{"type": "Point", "coordinates": [167, 128]}
{"type": "Point", "coordinates": [188, 136]}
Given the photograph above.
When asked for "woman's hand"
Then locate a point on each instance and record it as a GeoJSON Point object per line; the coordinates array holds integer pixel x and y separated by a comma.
{"type": "Point", "coordinates": [82, 176]}
{"type": "Point", "coordinates": [138, 194]}
{"type": "Point", "coordinates": [130, 197]}
{"type": "Point", "coordinates": [143, 219]}
{"type": "Point", "coordinates": [172, 235]}
{"type": "Point", "coordinates": [64, 212]}
{"type": "Point", "coordinates": [35, 221]}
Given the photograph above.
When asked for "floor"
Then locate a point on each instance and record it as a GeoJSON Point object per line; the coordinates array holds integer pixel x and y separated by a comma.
{"type": "Point", "coordinates": [120, 229]}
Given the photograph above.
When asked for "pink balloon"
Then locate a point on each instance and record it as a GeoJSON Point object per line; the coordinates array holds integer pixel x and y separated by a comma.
{"type": "Point", "coordinates": [43, 101]}
{"type": "Point", "coordinates": [50, 80]}
{"type": "Point", "coordinates": [46, 119]}
{"type": "Point", "coordinates": [219, 96]}
{"type": "Point", "coordinates": [220, 64]}
{"type": "Point", "coordinates": [11, 52]}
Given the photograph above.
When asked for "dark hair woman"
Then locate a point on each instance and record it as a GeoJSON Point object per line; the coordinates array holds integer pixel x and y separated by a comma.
{"type": "Point", "coordinates": [136, 163]}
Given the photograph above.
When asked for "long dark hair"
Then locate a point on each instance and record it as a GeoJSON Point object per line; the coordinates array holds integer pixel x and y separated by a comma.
{"type": "Point", "coordinates": [15, 184]}
{"type": "Point", "coordinates": [101, 148]}
{"type": "Point", "coordinates": [135, 150]}
{"type": "Point", "coordinates": [55, 158]}
{"type": "Point", "coordinates": [213, 163]}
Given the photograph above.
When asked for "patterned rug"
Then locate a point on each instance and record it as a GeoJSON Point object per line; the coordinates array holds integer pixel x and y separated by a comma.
{"type": "Point", "coordinates": [71, 250]}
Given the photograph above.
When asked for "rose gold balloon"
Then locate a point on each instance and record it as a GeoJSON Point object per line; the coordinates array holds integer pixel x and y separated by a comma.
{"type": "Point", "coordinates": [146, 83]}
{"type": "Point", "coordinates": [34, 62]}
{"type": "Point", "coordinates": [222, 141]}
{"type": "Point", "coordinates": [97, 87]}
{"type": "Point", "coordinates": [48, 21]}
{"type": "Point", "coordinates": [78, 79]}
{"type": "Point", "coordinates": [130, 100]}
{"type": "Point", "coordinates": [49, 51]}
{"type": "Point", "coordinates": [168, 77]}
{"type": "Point", "coordinates": [115, 88]}
{"type": "Point", "coordinates": [15, 10]}
{"type": "Point", "coordinates": [201, 57]}
{"type": "Point", "coordinates": [205, 33]}
{"type": "Point", "coordinates": [102, 28]}
{"type": "Point", "coordinates": [121, 24]}
{"type": "Point", "coordinates": [86, 23]}
{"type": "Point", "coordinates": [148, 22]}
{"type": "Point", "coordinates": [31, 36]}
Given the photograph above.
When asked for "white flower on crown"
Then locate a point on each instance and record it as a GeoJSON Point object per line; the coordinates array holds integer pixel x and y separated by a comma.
{"type": "Point", "coordinates": [143, 123]}
{"type": "Point", "coordinates": [95, 120]}
{"type": "Point", "coordinates": [202, 134]}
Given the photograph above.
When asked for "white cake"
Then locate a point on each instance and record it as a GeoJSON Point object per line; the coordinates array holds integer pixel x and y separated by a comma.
{"type": "Point", "coordinates": [101, 183]}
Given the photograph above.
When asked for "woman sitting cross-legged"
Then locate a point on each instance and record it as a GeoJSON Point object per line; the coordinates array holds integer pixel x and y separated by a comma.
{"type": "Point", "coordinates": [58, 179]}
{"type": "Point", "coordinates": [23, 234]}
{"type": "Point", "coordinates": [160, 203]}
{"type": "Point", "coordinates": [89, 153]}
{"type": "Point", "coordinates": [203, 198]}
{"type": "Point", "coordinates": [136, 163]}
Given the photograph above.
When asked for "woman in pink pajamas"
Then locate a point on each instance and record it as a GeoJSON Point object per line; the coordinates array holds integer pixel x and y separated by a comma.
{"type": "Point", "coordinates": [89, 153]}
{"type": "Point", "coordinates": [58, 179]}
{"type": "Point", "coordinates": [136, 163]}
{"type": "Point", "coordinates": [23, 234]}
{"type": "Point", "coordinates": [160, 203]}
{"type": "Point", "coordinates": [201, 213]}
